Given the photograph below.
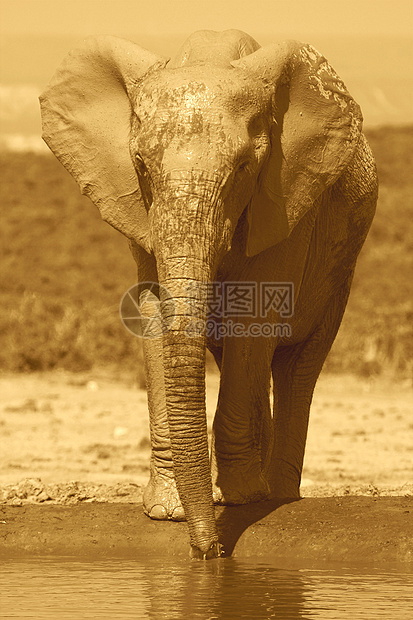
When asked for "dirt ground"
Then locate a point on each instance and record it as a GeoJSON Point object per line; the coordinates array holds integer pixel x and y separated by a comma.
{"type": "Point", "coordinates": [68, 438]}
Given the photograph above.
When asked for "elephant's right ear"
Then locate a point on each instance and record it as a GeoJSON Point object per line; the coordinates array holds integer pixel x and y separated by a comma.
{"type": "Point", "coordinates": [86, 116]}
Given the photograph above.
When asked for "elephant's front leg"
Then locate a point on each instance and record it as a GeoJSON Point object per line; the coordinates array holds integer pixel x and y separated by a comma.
{"type": "Point", "coordinates": [160, 497]}
{"type": "Point", "coordinates": [242, 433]}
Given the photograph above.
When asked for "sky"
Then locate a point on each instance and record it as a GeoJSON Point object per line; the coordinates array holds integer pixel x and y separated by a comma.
{"type": "Point", "coordinates": [166, 17]}
{"type": "Point", "coordinates": [368, 42]}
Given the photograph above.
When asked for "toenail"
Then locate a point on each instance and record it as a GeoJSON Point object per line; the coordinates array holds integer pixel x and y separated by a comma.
{"type": "Point", "coordinates": [178, 514]}
{"type": "Point", "coordinates": [158, 512]}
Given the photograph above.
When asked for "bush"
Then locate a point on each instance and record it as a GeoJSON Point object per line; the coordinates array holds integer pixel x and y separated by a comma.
{"type": "Point", "coordinates": [41, 334]}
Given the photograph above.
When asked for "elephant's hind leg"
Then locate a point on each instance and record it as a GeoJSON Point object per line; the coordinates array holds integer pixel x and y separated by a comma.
{"type": "Point", "coordinates": [295, 373]}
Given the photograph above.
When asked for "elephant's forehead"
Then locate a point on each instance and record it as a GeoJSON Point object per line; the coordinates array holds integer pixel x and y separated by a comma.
{"type": "Point", "coordinates": [189, 91]}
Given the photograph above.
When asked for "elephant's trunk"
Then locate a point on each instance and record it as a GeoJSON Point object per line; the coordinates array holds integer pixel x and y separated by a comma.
{"type": "Point", "coordinates": [187, 238]}
{"type": "Point", "coordinates": [184, 366]}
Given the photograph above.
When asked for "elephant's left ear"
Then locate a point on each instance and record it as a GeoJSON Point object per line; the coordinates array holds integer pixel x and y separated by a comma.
{"type": "Point", "coordinates": [86, 116]}
{"type": "Point", "coordinates": [316, 129]}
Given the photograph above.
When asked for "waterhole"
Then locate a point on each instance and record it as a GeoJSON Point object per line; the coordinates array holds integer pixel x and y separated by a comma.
{"type": "Point", "coordinates": [227, 588]}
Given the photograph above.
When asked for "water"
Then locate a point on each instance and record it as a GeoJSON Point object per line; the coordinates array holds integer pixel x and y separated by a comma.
{"type": "Point", "coordinates": [228, 588]}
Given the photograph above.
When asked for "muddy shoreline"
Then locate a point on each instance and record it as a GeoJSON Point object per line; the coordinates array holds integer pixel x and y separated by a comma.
{"type": "Point", "coordinates": [310, 531]}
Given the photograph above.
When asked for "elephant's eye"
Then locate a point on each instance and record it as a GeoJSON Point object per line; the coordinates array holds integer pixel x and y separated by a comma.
{"type": "Point", "coordinates": [243, 166]}
{"type": "Point", "coordinates": [139, 161]}
{"type": "Point", "coordinates": [144, 180]}
{"type": "Point", "coordinates": [140, 165]}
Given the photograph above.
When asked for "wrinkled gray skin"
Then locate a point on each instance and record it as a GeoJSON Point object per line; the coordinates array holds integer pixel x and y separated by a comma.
{"type": "Point", "coordinates": [229, 163]}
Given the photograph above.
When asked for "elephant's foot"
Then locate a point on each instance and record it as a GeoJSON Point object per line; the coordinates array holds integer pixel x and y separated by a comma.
{"type": "Point", "coordinates": [161, 499]}
{"type": "Point", "coordinates": [238, 484]}
{"type": "Point", "coordinates": [284, 480]}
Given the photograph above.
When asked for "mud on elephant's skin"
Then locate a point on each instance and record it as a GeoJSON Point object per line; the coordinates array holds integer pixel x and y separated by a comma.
{"type": "Point", "coordinates": [229, 163]}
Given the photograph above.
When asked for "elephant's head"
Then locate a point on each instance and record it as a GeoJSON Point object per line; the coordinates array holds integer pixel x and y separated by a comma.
{"type": "Point", "coordinates": [172, 155]}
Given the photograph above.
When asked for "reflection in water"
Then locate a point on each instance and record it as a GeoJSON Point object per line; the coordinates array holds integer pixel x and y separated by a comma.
{"type": "Point", "coordinates": [226, 588]}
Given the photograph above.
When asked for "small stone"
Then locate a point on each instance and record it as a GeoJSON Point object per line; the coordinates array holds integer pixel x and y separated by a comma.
{"type": "Point", "coordinates": [42, 497]}
{"type": "Point", "coordinates": [120, 431]}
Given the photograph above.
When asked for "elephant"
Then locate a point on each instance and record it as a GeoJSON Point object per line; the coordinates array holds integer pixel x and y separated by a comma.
{"type": "Point", "coordinates": [237, 168]}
